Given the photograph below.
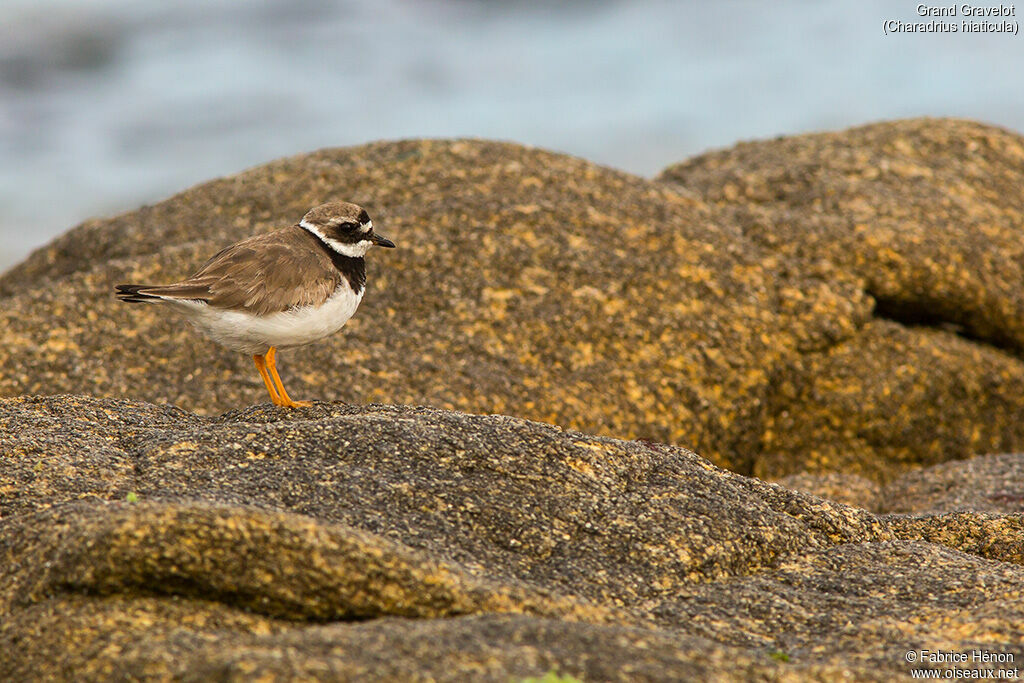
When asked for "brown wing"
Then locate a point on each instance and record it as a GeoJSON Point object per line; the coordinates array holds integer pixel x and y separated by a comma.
{"type": "Point", "coordinates": [264, 274]}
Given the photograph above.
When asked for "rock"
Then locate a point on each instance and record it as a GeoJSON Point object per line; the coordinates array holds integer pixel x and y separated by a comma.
{"type": "Point", "coordinates": [926, 215]}
{"type": "Point", "coordinates": [737, 315]}
{"type": "Point", "coordinates": [339, 541]}
{"type": "Point", "coordinates": [849, 489]}
{"type": "Point", "coordinates": [984, 484]}
{"type": "Point", "coordinates": [525, 283]}
{"type": "Point", "coordinates": [222, 645]}
{"type": "Point", "coordinates": [989, 483]}
{"type": "Point", "coordinates": [831, 310]}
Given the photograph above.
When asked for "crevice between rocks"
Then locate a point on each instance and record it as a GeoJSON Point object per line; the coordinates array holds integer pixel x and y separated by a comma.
{"type": "Point", "coordinates": [194, 589]}
{"type": "Point", "coordinates": [920, 314]}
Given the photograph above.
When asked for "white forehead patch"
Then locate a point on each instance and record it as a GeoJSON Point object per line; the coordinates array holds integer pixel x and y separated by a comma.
{"type": "Point", "coordinates": [354, 250]}
{"type": "Point", "coordinates": [366, 227]}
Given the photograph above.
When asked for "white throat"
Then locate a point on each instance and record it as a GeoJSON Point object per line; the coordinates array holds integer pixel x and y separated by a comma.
{"type": "Point", "coordinates": [352, 250]}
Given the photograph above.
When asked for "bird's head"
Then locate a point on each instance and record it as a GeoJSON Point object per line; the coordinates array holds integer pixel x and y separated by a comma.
{"type": "Point", "coordinates": [345, 228]}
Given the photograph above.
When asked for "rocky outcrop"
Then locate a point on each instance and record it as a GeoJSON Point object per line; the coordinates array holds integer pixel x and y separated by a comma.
{"type": "Point", "coordinates": [335, 541]}
{"type": "Point", "coordinates": [927, 216]}
{"type": "Point", "coordinates": [840, 312]}
{"type": "Point", "coordinates": [848, 301]}
{"type": "Point", "coordinates": [986, 483]}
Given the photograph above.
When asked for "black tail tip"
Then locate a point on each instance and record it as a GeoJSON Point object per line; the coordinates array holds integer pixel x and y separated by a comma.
{"type": "Point", "coordinates": [132, 294]}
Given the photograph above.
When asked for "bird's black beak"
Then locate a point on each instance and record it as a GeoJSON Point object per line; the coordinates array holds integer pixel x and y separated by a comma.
{"type": "Point", "coordinates": [382, 241]}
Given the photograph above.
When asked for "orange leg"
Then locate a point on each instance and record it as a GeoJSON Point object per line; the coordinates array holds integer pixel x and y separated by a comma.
{"type": "Point", "coordinates": [261, 365]}
{"type": "Point", "coordinates": [279, 385]}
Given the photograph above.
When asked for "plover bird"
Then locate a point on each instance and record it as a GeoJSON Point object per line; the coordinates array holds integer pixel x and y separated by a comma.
{"type": "Point", "coordinates": [287, 288]}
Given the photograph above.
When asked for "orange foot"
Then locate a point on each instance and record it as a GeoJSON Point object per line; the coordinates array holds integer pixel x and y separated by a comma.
{"type": "Point", "coordinates": [275, 387]}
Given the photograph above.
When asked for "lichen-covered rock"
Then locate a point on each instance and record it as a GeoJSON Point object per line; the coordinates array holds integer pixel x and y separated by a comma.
{"type": "Point", "coordinates": [541, 503]}
{"type": "Point", "coordinates": [926, 212]}
{"type": "Point", "coordinates": [850, 489]}
{"type": "Point", "coordinates": [832, 310]}
{"type": "Point", "coordinates": [341, 542]}
{"type": "Point", "coordinates": [928, 217]}
{"type": "Point", "coordinates": [525, 283]}
{"type": "Point", "coordinates": [983, 484]}
{"type": "Point", "coordinates": [987, 483]}
{"type": "Point", "coordinates": [844, 301]}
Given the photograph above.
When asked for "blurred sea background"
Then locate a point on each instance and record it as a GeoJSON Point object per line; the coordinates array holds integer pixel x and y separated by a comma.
{"type": "Point", "coordinates": [109, 104]}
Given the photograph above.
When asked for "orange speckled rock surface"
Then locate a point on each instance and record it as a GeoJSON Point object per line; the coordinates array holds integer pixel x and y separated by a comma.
{"type": "Point", "coordinates": [848, 301]}
{"type": "Point", "coordinates": [985, 483]}
{"type": "Point", "coordinates": [842, 312]}
{"type": "Point", "coordinates": [927, 215]}
{"type": "Point", "coordinates": [342, 542]}
{"type": "Point", "coordinates": [524, 283]}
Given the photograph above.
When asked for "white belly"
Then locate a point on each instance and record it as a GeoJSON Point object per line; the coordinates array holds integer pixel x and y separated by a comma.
{"type": "Point", "coordinates": [252, 334]}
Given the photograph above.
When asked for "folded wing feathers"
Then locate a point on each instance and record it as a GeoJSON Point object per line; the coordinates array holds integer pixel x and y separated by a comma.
{"type": "Point", "coordinates": [239, 277]}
